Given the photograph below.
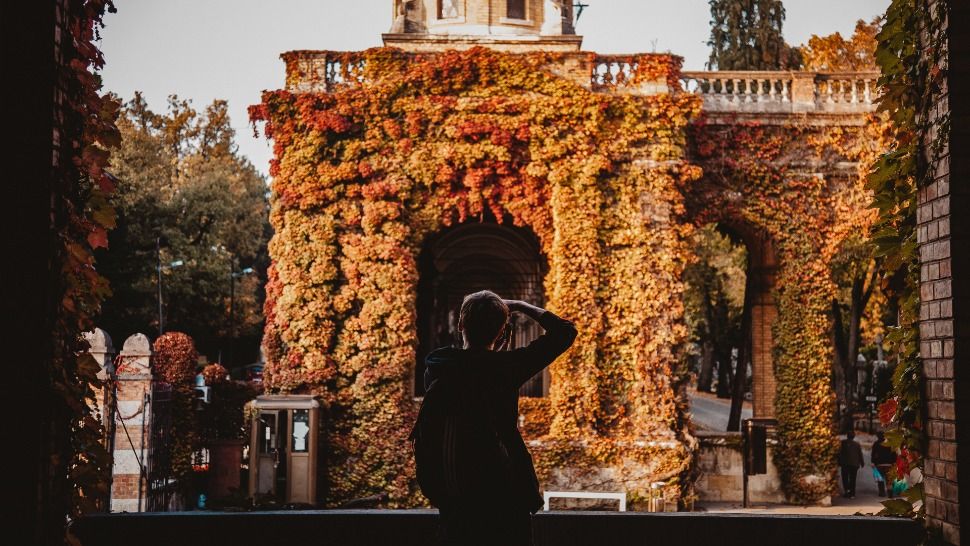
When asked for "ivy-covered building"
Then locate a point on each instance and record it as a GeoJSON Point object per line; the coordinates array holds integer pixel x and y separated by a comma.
{"type": "Point", "coordinates": [483, 149]}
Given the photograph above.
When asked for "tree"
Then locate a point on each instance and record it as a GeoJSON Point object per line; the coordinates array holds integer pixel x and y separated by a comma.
{"type": "Point", "coordinates": [184, 194]}
{"type": "Point", "coordinates": [747, 35]}
{"type": "Point", "coordinates": [854, 268]}
{"type": "Point", "coordinates": [714, 299]}
{"type": "Point", "coordinates": [833, 52]}
{"type": "Point", "coordinates": [855, 273]}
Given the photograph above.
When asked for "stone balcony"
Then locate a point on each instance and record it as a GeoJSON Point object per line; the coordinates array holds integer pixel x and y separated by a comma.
{"type": "Point", "coordinates": [765, 92]}
{"type": "Point", "coordinates": [771, 94]}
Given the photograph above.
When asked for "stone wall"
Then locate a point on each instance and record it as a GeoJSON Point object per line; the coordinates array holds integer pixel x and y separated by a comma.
{"type": "Point", "coordinates": [719, 465]}
{"type": "Point", "coordinates": [125, 409]}
{"type": "Point", "coordinates": [944, 252]}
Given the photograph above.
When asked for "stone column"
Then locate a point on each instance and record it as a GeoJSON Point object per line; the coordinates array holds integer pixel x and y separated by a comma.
{"type": "Point", "coordinates": [103, 352]}
{"type": "Point", "coordinates": [131, 425]}
{"type": "Point", "coordinates": [803, 92]}
{"type": "Point", "coordinates": [764, 313]}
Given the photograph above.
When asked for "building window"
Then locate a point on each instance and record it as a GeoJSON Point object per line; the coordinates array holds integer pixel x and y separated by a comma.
{"type": "Point", "coordinates": [448, 9]}
{"type": "Point", "coordinates": [515, 9]}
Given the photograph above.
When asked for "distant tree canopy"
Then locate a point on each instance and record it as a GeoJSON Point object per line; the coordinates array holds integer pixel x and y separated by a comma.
{"type": "Point", "coordinates": [833, 52]}
{"type": "Point", "coordinates": [713, 303]}
{"type": "Point", "coordinates": [181, 183]}
{"type": "Point", "coordinates": [747, 35]}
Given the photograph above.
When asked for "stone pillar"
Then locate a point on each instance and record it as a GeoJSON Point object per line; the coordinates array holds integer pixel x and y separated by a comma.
{"type": "Point", "coordinates": [764, 313]}
{"type": "Point", "coordinates": [131, 425]}
{"type": "Point", "coordinates": [103, 352]}
{"type": "Point", "coordinates": [803, 92]}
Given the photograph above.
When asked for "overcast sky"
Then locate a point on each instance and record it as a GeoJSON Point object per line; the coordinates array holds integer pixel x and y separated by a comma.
{"type": "Point", "coordinates": [229, 49]}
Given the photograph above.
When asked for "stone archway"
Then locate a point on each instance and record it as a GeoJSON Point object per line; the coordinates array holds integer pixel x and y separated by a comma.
{"type": "Point", "coordinates": [736, 325]}
{"type": "Point", "coordinates": [468, 258]}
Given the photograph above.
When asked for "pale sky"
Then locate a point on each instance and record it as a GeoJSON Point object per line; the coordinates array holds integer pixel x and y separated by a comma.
{"type": "Point", "coordinates": [229, 49]}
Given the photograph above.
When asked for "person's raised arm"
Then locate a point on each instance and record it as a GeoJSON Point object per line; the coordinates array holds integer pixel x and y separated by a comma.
{"type": "Point", "coordinates": [559, 336]}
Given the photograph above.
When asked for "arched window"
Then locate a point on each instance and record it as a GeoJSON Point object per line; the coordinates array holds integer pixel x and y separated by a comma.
{"type": "Point", "coordinates": [448, 9]}
{"type": "Point", "coordinates": [515, 9]}
{"type": "Point", "coordinates": [465, 259]}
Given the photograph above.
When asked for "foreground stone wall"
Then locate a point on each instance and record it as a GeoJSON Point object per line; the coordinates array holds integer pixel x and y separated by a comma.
{"type": "Point", "coordinates": [944, 252]}
{"type": "Point", "coordinates": [719, 465]}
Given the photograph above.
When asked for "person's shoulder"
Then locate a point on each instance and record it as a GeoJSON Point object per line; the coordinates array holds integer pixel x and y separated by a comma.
{"type": "Point", "coordinates": [442, 354]}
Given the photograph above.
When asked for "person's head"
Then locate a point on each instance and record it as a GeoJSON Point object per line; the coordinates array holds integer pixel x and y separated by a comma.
{"type": "Point", "coordinates": [483, 319]}
{"type": "Point", "coordinates": [880, 436]}
{"type": "Point", "coordinates": [849, 435]}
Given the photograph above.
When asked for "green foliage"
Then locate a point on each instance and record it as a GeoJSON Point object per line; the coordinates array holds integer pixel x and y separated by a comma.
{"type": "Point", "coordinates": [714, 300]}
{"type": "Point", "coordinates": [747, 35]}
{"type": "Point", "coordinates": [76, 481]}
{"type": "Point", "coordinates": [181, 180]}
{"type": "Point", "coordinates": [911, 55]}
{"type": "Point", "coordinates": [223, 418]}
{"type": "Point", "coordinates": [174, 360]}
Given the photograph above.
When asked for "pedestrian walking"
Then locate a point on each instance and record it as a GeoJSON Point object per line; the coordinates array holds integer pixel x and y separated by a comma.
{"type": "Point", "coordinates": [470, 458]}
{"type": "Point", "coordinates": [850, 461]}
{"type": "Point", "coordinates": [883, 458]}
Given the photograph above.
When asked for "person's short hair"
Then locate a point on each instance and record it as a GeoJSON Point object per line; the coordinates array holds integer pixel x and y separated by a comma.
{"type": "Point", "coordinates": [483, 315]}
{"type": "Point", "coordinates": [850, 434]}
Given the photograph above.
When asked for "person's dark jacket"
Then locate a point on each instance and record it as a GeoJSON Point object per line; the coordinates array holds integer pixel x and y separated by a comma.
{"type": "Point", "coordinates": [850, 454]}
{"type": "Point", "coordinates": [882, 455]}
{"type": "Point", "coordinates": [495, 377]}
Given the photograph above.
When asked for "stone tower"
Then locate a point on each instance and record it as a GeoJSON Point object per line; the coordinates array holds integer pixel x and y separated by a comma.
{"type": "Point", "coordinates": [507, 25]}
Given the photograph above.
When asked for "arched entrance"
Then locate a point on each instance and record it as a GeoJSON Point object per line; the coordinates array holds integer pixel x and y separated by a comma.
{"type": "Point", "coordinates": [469, 258]}
{"type": "Point", "coordinates": [731, 308]}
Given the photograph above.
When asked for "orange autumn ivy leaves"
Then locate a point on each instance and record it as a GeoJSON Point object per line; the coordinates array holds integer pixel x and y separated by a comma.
{"type": "Point", "coordinates": [807, 216]}
{"type": "Point", "coordinates": [364, 174]}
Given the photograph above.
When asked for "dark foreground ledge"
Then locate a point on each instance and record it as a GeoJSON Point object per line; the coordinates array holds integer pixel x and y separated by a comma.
{"type": "Point", "coordinates": [417, 527]}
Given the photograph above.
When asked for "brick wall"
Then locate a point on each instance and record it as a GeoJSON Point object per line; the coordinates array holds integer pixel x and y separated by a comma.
{"type": "Point", "coordinates": [944, 251]}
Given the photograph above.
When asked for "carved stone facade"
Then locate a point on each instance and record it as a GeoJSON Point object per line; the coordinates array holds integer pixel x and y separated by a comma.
{"type": "Point", "coordinates": [507, 25]}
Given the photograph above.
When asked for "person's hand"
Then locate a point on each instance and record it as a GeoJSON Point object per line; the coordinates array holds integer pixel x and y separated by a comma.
{"type": "Point", "coordinates": [525, 308]}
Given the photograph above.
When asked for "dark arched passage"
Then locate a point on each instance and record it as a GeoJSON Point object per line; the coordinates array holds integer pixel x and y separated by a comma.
{"type": "Point", "coordinates": [469, 258]}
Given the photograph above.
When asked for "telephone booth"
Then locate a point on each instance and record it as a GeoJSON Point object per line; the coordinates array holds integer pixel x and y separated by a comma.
{"type": "Point", "coordinates": [283, 448]}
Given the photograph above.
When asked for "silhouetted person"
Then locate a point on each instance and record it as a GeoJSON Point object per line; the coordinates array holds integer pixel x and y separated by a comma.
{"type": "Point", "coordinates": [850, 461]}
{"type": "Point", "coordinates": [883, 459]}
{"type": "Point", "coordinates": [471, 461]}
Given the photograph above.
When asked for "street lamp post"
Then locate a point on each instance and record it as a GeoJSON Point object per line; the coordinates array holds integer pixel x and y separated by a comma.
{"type": "Point", "coordinates": [233, 275]}
{"type": "Point", "coordinates": [158, 270]}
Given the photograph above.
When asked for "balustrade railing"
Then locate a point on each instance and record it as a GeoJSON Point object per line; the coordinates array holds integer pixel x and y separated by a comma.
{"type": "Point", "coordinates": [613, 71]}
{"type": "Point", "coordinates": [722, 91]}
{"type": "Point", "coordinates": [323, 70]}
{"type": "Point", "coordinates": [845, 89]}
{"type": "Point", "coordinates": [783, 92]}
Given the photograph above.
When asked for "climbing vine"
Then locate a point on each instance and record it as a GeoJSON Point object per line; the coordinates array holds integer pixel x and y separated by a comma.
{"type": "Point", "coordinates": [81, 218]}
{"type": "Point", "coordinates": [365, 173]}
{"type": "Point", "coordinates": [750, 186]}
{"type": "Point", "coordinates": [911, 54]}
{"type": "Point", "coordinates": [174, 362]}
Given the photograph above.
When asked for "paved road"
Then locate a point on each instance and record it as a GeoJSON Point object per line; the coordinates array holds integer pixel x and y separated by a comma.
{"type": "Point", "coordinates": [712, 413]}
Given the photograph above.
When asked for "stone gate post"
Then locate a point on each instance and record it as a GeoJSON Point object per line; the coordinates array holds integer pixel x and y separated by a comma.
{"type": "Point", "coordinates": [131, 425]}
{"type": "Point", "coordinates": [103, 351]}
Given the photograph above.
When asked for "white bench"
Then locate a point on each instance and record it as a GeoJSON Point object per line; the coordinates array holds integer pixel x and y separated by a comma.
{"type": "Point", "coordinates": [619, 496]}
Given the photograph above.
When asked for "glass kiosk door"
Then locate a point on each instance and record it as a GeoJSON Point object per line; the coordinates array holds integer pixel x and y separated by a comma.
{"type": "Point", "coordinates": [271, 454]}
{"type": "Point", "coordinates": [284, 449]}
